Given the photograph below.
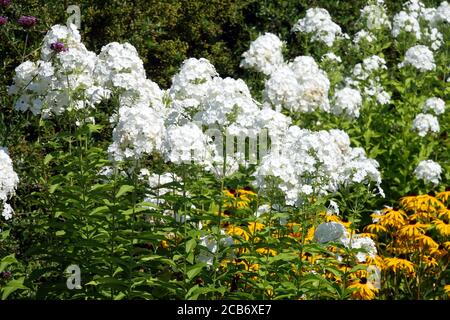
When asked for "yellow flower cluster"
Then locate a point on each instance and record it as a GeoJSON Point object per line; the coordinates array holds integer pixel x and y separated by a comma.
{"type": "Point", "coordinates": [412, 240]}
{"type": "Point", "coordinates": [416, 235]}
{"type": "Point", "coordinates": [238, 198]}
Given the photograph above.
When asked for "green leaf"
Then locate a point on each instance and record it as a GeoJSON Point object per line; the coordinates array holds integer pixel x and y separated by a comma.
{"type": "Point", "coordinates": [11, 286]}
{"type": "Point", "coordinates": [124, 190]}
{"type": "Point", "coordinates": [48, 158]}
{"type": "Point", "coordinates": [190, 245]}
{"type": "Point", "coordinates": [53, 188]}
{"type": "Point", "coordinates": [190, 257]}
{"type": "Point", "coordinates": [194, 270]}
{"type": "Point", "coordinates": [6, 261]}
{"type": "Point", "coordinates": [119, 296]}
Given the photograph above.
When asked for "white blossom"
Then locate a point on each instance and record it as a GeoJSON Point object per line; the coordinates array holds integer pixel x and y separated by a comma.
{"type": "Point", "coordinates": [306, 162]}
{"type": "Point", "coordinates": [375, 17]}
{"type": "Point", "coordinates": [319, 24]}
{"type": "Point", "coordinates": [364, 35]}
{"type": "Point", "coordinates": [428, 171]}
{"type": "Point", "coordinates": [425, 123]}
{"type": "Point", "coordinates": [300, 86]}
{"type": "Point", "coordinates": [347, 101]}
{"type": "Point", "coordinates": [420, 57]}
{"type": "Point", "coordinates": [436, 105]}
{"type": "Point", "coordinates": [183, 144]}
{"type": "Point", "coordinates": [211, 247]}
{"type": "Point", "coordinates": [8, 182]}
{"type": "Point", "coordinates": [367, 245]}
{"type": "Point", "coordinates": [264, 55]}
{"type": "Point", "coordinates": [139, 132]}
{"type": "Point", "coordinates": [191, 83]}
{"type": "Point", "coordinates": [406, 22]}
{"type": "Point", "coordinates": [443, 12]}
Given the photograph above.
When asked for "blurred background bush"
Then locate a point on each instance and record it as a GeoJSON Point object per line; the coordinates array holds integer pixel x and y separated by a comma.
{"type": "Point", "coordinates": [167, 32]}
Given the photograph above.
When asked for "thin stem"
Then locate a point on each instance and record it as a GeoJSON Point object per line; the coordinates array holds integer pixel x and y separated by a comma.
{"type": "Point", "coordinates": [25, 47]}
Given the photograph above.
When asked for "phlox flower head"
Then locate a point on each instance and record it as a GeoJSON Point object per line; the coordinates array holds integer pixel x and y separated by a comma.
{"type": "Point", "coordinates": [306, 163]}
{"type": "Point", "coordinates": [425, 123]}
{"type": "Point", "coordinates": [210, 247]}
{"type": "Point", "coordinates": [347, 101]}
{"type": "Point", "coordinates": [8, 182]}
{"type": "Point", "coordinates": [375, 17]}
{"type": "Point", "coordinates": [428, 171]}
{"type": "Point", "coordinates": [186, 144]}
{"type": "Point", "coordinates": [139, 132]}
{"type": "Point", "coordinates": [264, 55]}
{"type": "Point", "coordinates": [319, 24]}
{"type": "Point", "coordinates": [435, 105]}
{"type": "Point", "coordinates": [419, 57]}
{"type": "Point", "coordinates": [300, 86]}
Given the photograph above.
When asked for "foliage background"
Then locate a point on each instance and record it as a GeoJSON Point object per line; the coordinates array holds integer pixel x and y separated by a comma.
{"type": "Point", "coordinates": [165, 33]}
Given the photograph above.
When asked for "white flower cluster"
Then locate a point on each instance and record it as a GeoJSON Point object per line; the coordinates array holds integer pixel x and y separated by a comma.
{"type": "Point", "coordinates": [406, 22]}
{"type": "Point", "coordinates": [366, 77]}
{"type": "Point", "coordinates": [366, 245]}
{"type": "Point", "coordinates": [422, 22]}
{"type": "Point", "coordinates": [425, 123]}
{"type": "Point", "coordinates": [364, 36]}
{"type": "Point", "coordinates": [198, 94]}
{"type": "Point", "coordinates": [119, 69]}
{"type": "Point", "coordinates": [45, 87]}
{"type": "Point", "coordinates": [428, 171]}
{"type": "Point", "coordinates": [8, 183]}
{"type": "Point", "coordinates": [227, 101]}
{"type": "Point", "coordinates": [139, 131]}
{"type": "Point", "coordinates": [75, 79]}
{"type": "Point", "coordinates": [119, 66]}
{"type": "Point", "coordinates": [442, 13]}
{"type": "Point", "coordinates": [374, 16]}
{"type": "Point", "coordinates": [319, 24]}
{"type": "Point", "coordinates": [420, 57]}
{"type": "Point", "coordinates": [308, 163]}
{"type": "Point", "coordinates": [186, 143]}
{"type": "Point", "coordinates": [347, 101]}
{"type": "Point", "coordinates": [436, 105]}
{"type": "Point", "coordinates": [264, 55]}
{"type": "Point", "coordinates": [336, 232]}
{"type": "Point", "coordinates": [369, 67]}
{"type": "Point", "coordinates": [434, 38]}
{"type": "Point", "coordinates": [300, 86]}
{"type": "Point", "coordinates": [190, 85]}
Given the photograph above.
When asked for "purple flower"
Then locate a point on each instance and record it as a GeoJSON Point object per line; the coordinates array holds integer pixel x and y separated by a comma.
{"type": "Point", "coordinates": [5, 3]}
{"type": "Point", "coordinates": [6, 275]}
{"type": "Point", "coordinates": [27, 21]}
{"type": "Point", "coordinates": [58, 47]}
{"type": "Point", "coordinates": [3, 20]}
